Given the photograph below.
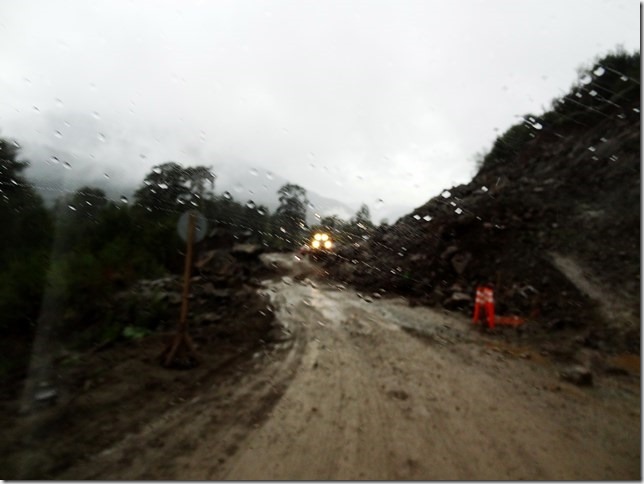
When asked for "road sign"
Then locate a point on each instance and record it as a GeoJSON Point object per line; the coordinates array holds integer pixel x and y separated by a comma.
{"type": "Point", "coordinates": [201, 226]}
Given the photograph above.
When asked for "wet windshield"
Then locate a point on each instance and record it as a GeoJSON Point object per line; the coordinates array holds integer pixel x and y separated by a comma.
{"type": "Point", "coordinates": [320, 240]}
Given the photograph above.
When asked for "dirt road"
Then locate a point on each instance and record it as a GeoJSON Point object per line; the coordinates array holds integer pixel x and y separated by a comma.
{"type": "Point", "coordinates": [373, 389]}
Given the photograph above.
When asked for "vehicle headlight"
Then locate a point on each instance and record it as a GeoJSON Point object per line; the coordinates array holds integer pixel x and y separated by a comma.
{"type": "Point", "coordinates": [315, 244]}
{"type": "Point", "coordinates": [328, 244]}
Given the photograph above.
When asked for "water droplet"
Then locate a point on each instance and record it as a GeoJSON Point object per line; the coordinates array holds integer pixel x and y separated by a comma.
{"type": "Point", "coordinates": [453, 204]}
{"type": "Point", "coordinates": [95, 115]}
{"type": "Point", "coordinates": [446, 194]}
{"type": "Point", "coordinates": [484, 188]}
{"type": "Point", "coordinates": [621, 116]}
{"type": "Point", "coordinates": [427, 218]}
{"type": "Point", "coordinates": [586, 79]}
{"type": "Point", "coordinates": [311, 206]}
{"type": "Point", "coordinates": [599, 71]}
{"type": "Point", "coordinates": [106, 176]}
{"type": "Point", "coordinates": [15, 144]}
{"type": "Point", "coordinates": [283, 230]}
{"type": "Point", "coordinates": [537, 125]}
{"type": "Point", "coordinates": [142, 156]}
{"type": "Point", "coordinates": [92, 86]}
{"type": "Point", "coordinates": [624, 78]}
{"type": "Point", "coordinates": [35, 108]}
{"type": "Point", "coordinates": [58, 134]}
{"type": "Point", "coordinates": [285, 130]}
{"type": "Point", "coordinates": [101, 137]}
{"type": "Point", "coordinates": [14, 182]}
{"type": "Point", "coordinates": [54, 160]}
{"type": "Point", "coordinates": [71, 207]}
{"type": "Point", "coordinates": [163, 186]}
{"type": "Point", "coordinates": [578, 94]}
{"type": "Point", "coordinates": [636, 110]}
{"type": "Point", "coordinates": [253, 172]}
{"type": "Point", "coordinates": [603, 140]}
{"type": "Point", "coordinates": [458, 211]}
{"type": "Point", "coordinates": [261, 211]}
{"type": "Point", "coordinates": [124, 199]}
{"type": "Point", "coordinates": [227, 195]}
{"type": "Point", "coordinates": [614, 158]}
{"type": "Point", "coordinates": [250, 204]}
{"type": "Point", "coordinates": [59, 103]}
{"type": "Point", "coordinates": [593, 93]}
{"type": "Point", "coordinates": [417, 217]}
{"type": "Point", "coordinates": [238, 188]}
{"type": "Point", "coordinates": [87, 202]}
{"type": "Point", "coordinates": [269, 175]}
{"type": "Point", "coordinates": [67, 165]}
{"type": "Point", "coordinates": [156, 170]}
{"type": "Point", "coordinates": [591, 149]}
{"type": "Point", "coordinates": [379, 203]}
{"type": "Point", "coordinates": [202, 136]}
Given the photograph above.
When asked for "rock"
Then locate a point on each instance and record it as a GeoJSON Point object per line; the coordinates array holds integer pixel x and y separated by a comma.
{"type": "Point", "coordinates": [577, 375]}
{"type": "Point", "coordinates": [457, 300]}
{"type": "Point", "coordinates": [452, 249]}
{"type": "Point", "coordinates": [460, 261]}
{"type": "Point", "coordinates": [247, 251]}
{"type": "Point", "coordinates": [208, 317]}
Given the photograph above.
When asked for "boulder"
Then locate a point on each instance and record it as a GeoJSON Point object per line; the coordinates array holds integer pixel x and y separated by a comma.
{"type": "Point", "coordinates": [578, 375]}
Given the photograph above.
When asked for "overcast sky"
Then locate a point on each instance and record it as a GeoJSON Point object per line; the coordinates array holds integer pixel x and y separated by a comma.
{"type": "Point", "coordinates": [359, 101]}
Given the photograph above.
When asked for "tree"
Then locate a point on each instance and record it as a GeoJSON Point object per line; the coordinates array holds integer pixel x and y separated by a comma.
{"type": "Point", "coordinates": [290, 215]}
{"type": "Point", "coordinates": [169, 186]}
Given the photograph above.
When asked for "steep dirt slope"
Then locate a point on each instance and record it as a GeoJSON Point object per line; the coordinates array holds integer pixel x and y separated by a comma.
{"type": "Point", "coordinates": [552, 219]}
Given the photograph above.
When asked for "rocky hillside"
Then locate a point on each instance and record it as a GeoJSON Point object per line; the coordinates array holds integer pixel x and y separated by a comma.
{"type": "Point", "coordinates": [552, 219]}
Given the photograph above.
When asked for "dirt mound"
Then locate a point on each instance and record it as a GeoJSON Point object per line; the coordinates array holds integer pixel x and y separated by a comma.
{"type": "Point", "coordinates": [552, 219]}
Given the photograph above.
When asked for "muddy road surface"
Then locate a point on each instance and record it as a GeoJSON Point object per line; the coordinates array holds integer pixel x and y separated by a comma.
{"type": "Point", "coordinates": [361, 387]}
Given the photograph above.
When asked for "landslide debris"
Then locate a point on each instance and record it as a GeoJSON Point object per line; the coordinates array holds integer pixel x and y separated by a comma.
{"type": "Point", "coordinates": [552, 218]}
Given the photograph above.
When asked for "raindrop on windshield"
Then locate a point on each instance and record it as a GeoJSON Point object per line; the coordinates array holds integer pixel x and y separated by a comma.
{"type": "Point", "coordinates": [591, 149]}
{"type": "Point", "coordinates": [593, 93]}
{"type": "Point", "coordinates": [106, 175]}
{"type": "Point", "coordinates": [537, 125]}
{"type": "Point", "coordinates": [250, 204]}
{"type": "Point", "coordinates": [484, 188]}
{"type": "Point", "coordinates": [458, 211]}
{"type": "Point", "coordinates": [417, 217]}
{"type": "Point", "coordinates": [54, 160]}
{"type": "Point", "coordinates": [59, 103]}
{"type": "Point", "coordinates": [163, 186]}
{"type": "Point", "coordinates": [446, 194]}
{"type": "Point", "coordinates": [311, 206]}
{"type": "Point", "coordinates": [261, 211]}
{"type": "Point", "coordinates": [586, 79]}
{"type": "Point", "coordinates": [142, 156]}
{"type": "Point", "coordinates": [578, 94]}
{"type": "Point", "coordinates": [58, 134]}
{"type": "Point", "coordinates": [101, 137]}
{"type": "Point", "coordinates": [379, 203]}
{"type": "Point", "coordinates": [283, 230]}
{"type": "Point", "coordinates": [636, 110]}
{"type": "Point", "coordinates": [16, 144]}
{"type": "Point", "coordinates": [427, 218]}
{"type": "Point", "coordinates": [269, 175]}
{"type": "Point", "coordinates": [95, 115]}
{"type": "Point", "coordinates": [599, 71]}
{"type": "Point", "coordinates": [124, 199]}
{"type": "Point", "coordinates": [253, 172]}
{"type": "Point", "coordinates": [67, 165]}
{"type": "Point", "coordinates": [156, 171]}
{"type": "Point", "coordinates": [71, 207]}
{"type": "Point", "coordinates": [35, 108]}
{"type": "Point", "coordinates": [624, 78]}
{"type": "Point", "coordinates": [227, 195]}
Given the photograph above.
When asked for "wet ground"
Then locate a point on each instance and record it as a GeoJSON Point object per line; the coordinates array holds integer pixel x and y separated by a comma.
{"type": "Point", "coordinates": [358, 386]}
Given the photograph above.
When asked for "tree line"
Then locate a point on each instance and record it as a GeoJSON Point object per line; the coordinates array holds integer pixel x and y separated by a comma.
{"type": "Point", "coordinates": [87, 247]}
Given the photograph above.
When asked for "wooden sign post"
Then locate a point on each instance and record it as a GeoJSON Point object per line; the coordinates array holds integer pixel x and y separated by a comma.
{"type": "Point", "coordinates": [182, 342]}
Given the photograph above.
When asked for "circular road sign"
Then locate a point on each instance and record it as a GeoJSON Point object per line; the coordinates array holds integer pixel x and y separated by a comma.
{"type": "Point", "coordinates": [201, 225]}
